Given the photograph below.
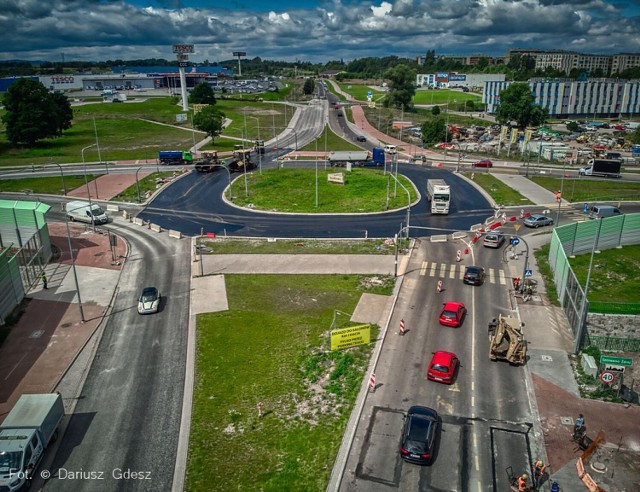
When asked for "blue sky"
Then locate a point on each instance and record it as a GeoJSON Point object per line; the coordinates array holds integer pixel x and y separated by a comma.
{"type": "Point", "coordinates": [307, 30]}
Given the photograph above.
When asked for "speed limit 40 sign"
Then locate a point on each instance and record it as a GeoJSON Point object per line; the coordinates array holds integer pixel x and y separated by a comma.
{"type": "Point", "coordinates": [607, 377]}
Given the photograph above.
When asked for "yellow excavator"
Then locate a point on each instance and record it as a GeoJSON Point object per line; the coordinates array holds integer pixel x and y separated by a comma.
{"type": "Point", "coordinates": [506, 340]}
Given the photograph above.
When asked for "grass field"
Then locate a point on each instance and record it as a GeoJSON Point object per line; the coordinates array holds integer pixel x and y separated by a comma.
{"type": "Point", "coordinates": [272, 347]}
{"type": "Point", "coordinates": [48, 186]}
{"type": "Point", "coordinates": [329, 141]}
{"type": "Point", "coordinates": [444, 96]}
{"type": "Point", "coordinates": [589, 190]}
{"type": "Point", "coordinates": [359, 91]}
{"type": "Point", "coordinates": [222, 245]}
{"type": "Point", "coordinates": [293, 190]}
{"type": "Point", "coordinates": [500, 192]}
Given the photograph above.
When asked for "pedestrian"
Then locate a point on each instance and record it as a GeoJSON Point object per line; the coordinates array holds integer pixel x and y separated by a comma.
{"type": "Point", "coordinates": [44, 280]}
{"type": "Point", "coordinates": [538, 473]}
{"type": "Point", "coordinates": [522, 483]}
{"type": "Point", "coordinates": [579, 428]}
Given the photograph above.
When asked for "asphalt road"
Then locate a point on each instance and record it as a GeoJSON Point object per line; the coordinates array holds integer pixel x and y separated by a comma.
{"type": "Point", "coordinates": [486, 418]}
{"type": "Point", "coordinates": [128, 416]}
{"type": "Point", "coordinates": [194, 203]}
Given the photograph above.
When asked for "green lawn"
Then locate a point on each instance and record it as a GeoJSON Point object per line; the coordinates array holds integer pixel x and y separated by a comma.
{"type": "Point", "coordinates": [359, 91]}
{"type": "Point", "coordinates": [272, 347]}
{"type": "Point", "coordinates": [589, 190]}
{"type": "Point", "coordinates": [329, 141]}
{"type": "Point", "coordinates": [148, 183]}
{"type": "Point", "coordinates": [48, 186]}
{"type": "Point", "coordinates": [500, 192]}
{"type": "Point", "coordinates": [293, 190]}
{"type": "Point", "coordinates": [222, 245]}
{"type": "Point", "coordinates": [444, 96]}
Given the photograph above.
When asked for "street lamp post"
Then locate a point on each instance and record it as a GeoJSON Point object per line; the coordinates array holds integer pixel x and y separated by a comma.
{"type": "Point", "coordinates": [73, 266]}
{"type": "Point", "coordinates": [408, 200]}
{"type": "Point", "coordinates": [64, 188]}
{"type": "Point", "coordinates": [138, 184]}
{"type": "Point", "coordinates": [95, 128]}
{"type": "Point", "coordinates": [560, 197]}
{"type": "Point", "coordinates": [258, 147]}
{"type": "Point", "coordinates": [86, 183]}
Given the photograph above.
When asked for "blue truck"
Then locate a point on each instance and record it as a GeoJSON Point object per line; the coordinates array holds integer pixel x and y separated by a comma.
{"type": "Point", "coordinates": [175, 157]}
{"type": "Point", "coordinates": [361, 158]}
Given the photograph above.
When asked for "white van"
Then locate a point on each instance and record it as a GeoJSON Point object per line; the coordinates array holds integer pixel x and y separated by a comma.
{"type": "Point", "coordinates": [83, 212]}
{"type": "Point", "coordinates": [390, 149]}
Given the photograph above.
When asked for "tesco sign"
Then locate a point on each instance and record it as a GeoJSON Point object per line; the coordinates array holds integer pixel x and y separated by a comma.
{"type": "Point", "coordinates": [62, 79]}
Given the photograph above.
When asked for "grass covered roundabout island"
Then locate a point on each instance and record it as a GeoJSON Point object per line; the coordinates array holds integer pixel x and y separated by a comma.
{"type": "Point", "coordinates": [294, 191]}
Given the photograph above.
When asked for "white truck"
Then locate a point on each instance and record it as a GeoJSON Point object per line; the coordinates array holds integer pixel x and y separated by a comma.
{"type": "Point", "coordinates": [438, 195]}
{"type": "Point", "coordinates": [85, 212]}
{"type": "Point", "coordinates": [24, 435]}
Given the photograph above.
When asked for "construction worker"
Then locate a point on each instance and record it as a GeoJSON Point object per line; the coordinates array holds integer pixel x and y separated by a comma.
{"type": "Point", "coordinates": [44, 280]}
{"type": "Point", "coordinates": [538, 468]}
{"type": "Point", "coordinates": [522, 483]}
{"type": "Point", "coordinates": [558, 196]}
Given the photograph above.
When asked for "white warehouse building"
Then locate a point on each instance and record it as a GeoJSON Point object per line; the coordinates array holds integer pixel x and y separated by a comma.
{"type": "Point", "coordinates": [574, 98]}
{"type": "Point", "coordinates": [445, 80]}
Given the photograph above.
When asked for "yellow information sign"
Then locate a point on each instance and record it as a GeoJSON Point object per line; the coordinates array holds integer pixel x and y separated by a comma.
{"type": "Point", "coordinates": [350, 337]}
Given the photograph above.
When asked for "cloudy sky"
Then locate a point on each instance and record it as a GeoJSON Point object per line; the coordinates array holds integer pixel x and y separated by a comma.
{"type": "Point", "coordinates": [309, 30]}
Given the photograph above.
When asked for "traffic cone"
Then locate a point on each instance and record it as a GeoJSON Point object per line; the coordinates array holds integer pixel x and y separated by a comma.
{"type": "Point", "coordinates": [439, 285]}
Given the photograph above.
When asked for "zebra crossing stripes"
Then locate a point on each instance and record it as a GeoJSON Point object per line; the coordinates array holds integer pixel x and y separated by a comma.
{"type": "Point", "coordinates": [448, 270]}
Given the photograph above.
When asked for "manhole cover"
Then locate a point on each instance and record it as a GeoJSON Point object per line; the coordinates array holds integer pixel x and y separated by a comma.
{"type": "Point", "coordinates": [547, 358]}
{"type": "Point", "coordinates": [65, 325]}
{"type": "Point", "coordinates": [566, 420]}
{"type": "Point", "coordinates": [598, 467]}
{"type": "Point", "coordinates": [36, 334]}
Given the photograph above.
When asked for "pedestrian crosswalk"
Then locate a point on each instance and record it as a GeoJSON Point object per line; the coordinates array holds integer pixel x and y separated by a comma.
{"type": "Point", "coordinates": [456, 270]}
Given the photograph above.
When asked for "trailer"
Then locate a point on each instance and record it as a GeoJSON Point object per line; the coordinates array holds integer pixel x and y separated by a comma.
{"type": "Point", "coordinates": [438, 195]}
{"type": "Point", "coordinates": [31, 425]}
{"type": "Point", "coordinates": [175, 157]}
{"type": "Point", "coordinates": [359, 158]}
{"type": "Point", "coordinates": [607, 168]}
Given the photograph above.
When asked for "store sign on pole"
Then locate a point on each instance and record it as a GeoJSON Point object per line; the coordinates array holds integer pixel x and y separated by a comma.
{"type": "Point", "coordinates": [183, 48]}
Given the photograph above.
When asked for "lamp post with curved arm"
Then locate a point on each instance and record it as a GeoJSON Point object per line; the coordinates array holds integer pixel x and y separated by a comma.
{"type": "Point", "coordinates": [64, 188]}
{"type": "Point", "coordinates": [87, 185]}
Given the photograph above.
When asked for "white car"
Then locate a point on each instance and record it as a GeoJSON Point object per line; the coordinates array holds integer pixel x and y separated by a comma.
{"type": "Point", "coordinates": [149, 301]}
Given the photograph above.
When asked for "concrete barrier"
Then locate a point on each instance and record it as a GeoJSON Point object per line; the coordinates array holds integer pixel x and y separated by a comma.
{"type": "Point", "coordinates": [441, 238]}
{"type": "Point", "coordinates": [125, 215]}
{"type": "Point", "coordinates": [138, 221]}
{"type": "Point", "coordinates": [113, 208]}
{"type": "Point", "coordinates": [490, 221]}
{"type": "Point", "coordinates": [476, 227]}
{"type": "Point", "coordinates": [458, 235]}
{"type": "Point", "coordinates": [175, 234]}
{"type": "Point", "coordinates": [155, 228]}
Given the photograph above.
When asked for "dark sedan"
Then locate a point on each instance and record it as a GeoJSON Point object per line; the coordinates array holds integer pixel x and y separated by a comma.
{"type": "Point", "coordinates": [419, 435]}
{"type": "Point", "coordinates": [474, 275]}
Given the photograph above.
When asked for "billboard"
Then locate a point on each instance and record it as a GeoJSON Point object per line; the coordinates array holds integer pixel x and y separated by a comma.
{"type": "Point", "coordinates": [442, 76]}
{"type": "Point", "coordinates": [183, 48]}
{"type": "Point", "coordinates": [350, 337]}
{"type": "Point", "coordinates": [455, 77]}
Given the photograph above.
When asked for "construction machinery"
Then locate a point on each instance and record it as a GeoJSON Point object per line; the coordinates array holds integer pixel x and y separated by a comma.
{"type": "Point", "coordinates": [506, 340]}
{"type": "Point", "coordinates": [240, 161]}
{"type": "Point", "coordinates": [207, 162]}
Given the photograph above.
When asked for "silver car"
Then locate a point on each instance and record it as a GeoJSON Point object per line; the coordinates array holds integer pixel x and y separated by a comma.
{"type": "Point", "coordinates": [538, 220]}
{"type": "Point", "coordinates": [149, 301]}
{"type": "Point", "coordinates": [493, 240]}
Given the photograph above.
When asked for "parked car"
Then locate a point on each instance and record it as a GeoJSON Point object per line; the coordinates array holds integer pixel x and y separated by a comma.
{"type": "Point", "coordinates": [419, 435]}
{"type": "Point", "coordinates": [484, 163]}
{"type": "Point", "coordinates": [149, 301]}
{"type": "Point", "coordinates": [538, 220]}
{"type": "Point", "coordinates": [452, 314]}
{"type": "Point", "coordinates": [493, 239]}
{"type": "Point", "coordinates": [443, 367]}
{"type": "Point", "coordinates": [474, 275]}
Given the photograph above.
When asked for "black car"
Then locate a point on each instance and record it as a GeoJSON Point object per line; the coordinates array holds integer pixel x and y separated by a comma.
{"type": "Point", "coordinates": [421, 426]}
{"type": "Point", "coordinates": [361, 138]}
{"type": "Point", "coordinates": [474, 275]}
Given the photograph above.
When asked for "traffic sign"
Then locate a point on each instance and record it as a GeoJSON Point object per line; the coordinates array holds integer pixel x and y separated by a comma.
{"type": "Point", "coordinates": [607, 377]}
{"type": "Point", "coordinates": [528, 273]}
{"type": "Point", "coordinates": [613, 368]}
{"type": "Point", "coordinates": [515, 241]}
{"type": "Point", "coordinates": [618, 361]}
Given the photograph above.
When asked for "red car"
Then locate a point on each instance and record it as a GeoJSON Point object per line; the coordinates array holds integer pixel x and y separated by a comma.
{"type": "Point", "coordinates": [485, 163]}
{"type": "Point", "coordinates": [442, 367]}
{"type": "Point", "coordinates": [452, 314]}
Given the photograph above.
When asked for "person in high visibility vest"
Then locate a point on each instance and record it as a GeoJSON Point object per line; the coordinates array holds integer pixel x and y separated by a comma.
{"type": "Point", "coordinates": [558, 196]}
{"type": "Point", "coordinates": [522, 483]}
{"type": "Point", "coordinates": [539, 468]}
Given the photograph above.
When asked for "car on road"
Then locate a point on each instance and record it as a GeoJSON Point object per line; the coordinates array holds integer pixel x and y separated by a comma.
{"type": "Point", "coordinates": [339, 113]}
{"type": "Point", "coordinates": [484, 163]}
{"type": "Point", "coordinates": [493, 239]}
{"type": "Point", "coordinates": [474, 275]}
{"type": "Point", "coordinates": [452, 314]}
{"type": "Point", "coordinates": [149, 301]}
{"type": "Point", "coordinates": [419, 435]}
{"type": "Point", "coordinates": [361, 138]}
{"type": "Point", "coordinates": [443, 367]}
{"type": "Point", "coordinates": [537, 220]}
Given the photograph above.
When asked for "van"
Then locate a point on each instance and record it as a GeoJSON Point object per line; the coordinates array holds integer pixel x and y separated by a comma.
{"type": "Point", "coordinates": [601, 211]}
{"type": "Point", "coordinates": [85, 212]}
{"type": "Point", "coordinates": [390, 149]}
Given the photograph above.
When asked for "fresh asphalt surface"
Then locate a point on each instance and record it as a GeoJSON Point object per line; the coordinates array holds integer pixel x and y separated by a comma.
{"type": "Point", "coordinates": [194, 203]}
{"type": "Point", "coordinates": [127, 418]}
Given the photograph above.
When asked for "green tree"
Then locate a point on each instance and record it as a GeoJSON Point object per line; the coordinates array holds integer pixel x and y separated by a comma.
{"type": "Point", "coordinates": [483, 63]}
{"type": "Point", "coordinates": [517, 104]}
{"type": "Point", "coordinates": [401, 86]}
{"type": "Point", "coordinates": [573, 126]}
{"type": "Point", "coordinates": [634, 137]}
{"type": "Point", "coordinates": [209, 120]}
{"type": "Point", "coordinates": [435, 110]}
{"type": "Point", "coordinates": [434, 131]}
{"type": "Point", "coordinates": [309, 86]}
{"type": "Point", "coordinates": [202, 93]}
{"type": "Point", "coordinates": [33, 113]}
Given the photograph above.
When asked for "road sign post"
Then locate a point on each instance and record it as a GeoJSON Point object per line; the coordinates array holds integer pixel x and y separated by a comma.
{"type": "Point", "coordinates": [607, 377]}
{"type": "Point", "coordinates": [617, 361]}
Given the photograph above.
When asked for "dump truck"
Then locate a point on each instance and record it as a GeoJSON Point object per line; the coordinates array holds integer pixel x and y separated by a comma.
{"type": "Point", "coordinates": [175, 157]}
{"type": "Point", "coordinates": [207, 162]}
{"type": "Point", "coordinates": [506, 340]}
{"type": "Point", "coordinates": [361, 158]}
{"type": "Point", "coordinates": [31, 425]}
{"type": "Point", "coordinates": [438, 195]}
{"type": "Point", "coordinates": [241, 159]}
